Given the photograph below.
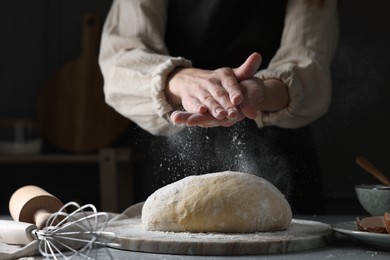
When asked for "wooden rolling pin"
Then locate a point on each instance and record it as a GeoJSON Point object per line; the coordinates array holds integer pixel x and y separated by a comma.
{"type": "Point", "coordinates": [30, 207]}
{"type": "Point", "coordinates": [31, 204]}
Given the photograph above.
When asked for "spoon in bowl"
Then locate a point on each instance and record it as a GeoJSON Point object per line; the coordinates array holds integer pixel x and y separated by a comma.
{"type": "Point", "coordinates": [369, 167]}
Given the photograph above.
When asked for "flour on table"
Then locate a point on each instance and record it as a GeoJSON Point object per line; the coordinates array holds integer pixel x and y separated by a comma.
{"type": "Point", "coordinates": [217, 202]}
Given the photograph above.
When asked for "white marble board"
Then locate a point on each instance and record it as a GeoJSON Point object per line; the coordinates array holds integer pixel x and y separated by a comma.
{"type": "Point", "coordinates": [302, 235]}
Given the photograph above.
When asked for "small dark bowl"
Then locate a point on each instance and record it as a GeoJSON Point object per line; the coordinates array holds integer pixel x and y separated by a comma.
{"type": "Point", "coordinates": [375, 199]}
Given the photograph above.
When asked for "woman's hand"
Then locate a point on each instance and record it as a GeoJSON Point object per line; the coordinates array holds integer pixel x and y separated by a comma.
{"type": "Point", "coordinates": [203, 119]}
{"type": "Point", "coordinates": [259, 96]}
{"type": "Point", "coordinates": [224, 96]}
{"type": "Point", "coordinates": [214, 92]}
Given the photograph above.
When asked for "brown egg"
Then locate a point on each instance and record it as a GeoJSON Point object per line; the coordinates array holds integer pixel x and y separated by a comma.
{"type": "Point", "coordinates": [387, 221]}
{"type": "Point", "coordinates": [375, 224]}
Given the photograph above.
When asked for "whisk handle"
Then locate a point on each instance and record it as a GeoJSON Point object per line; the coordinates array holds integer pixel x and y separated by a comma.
{"type": "Point", "coordinates": [16, 233]}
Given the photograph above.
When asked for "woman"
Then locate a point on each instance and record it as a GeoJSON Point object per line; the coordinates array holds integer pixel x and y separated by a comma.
{"type": "Point", "coordinates": [169, 65]}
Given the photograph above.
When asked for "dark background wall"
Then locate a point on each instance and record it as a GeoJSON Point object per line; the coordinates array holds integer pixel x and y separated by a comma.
{"type": "Point", "coordinates": [40, 35]}
{"type": "Point", "coordinates": [356, 123]}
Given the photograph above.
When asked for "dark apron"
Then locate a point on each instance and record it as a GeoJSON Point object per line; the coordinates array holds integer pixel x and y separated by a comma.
{"type": "Point", "coordinates": [219, 33]}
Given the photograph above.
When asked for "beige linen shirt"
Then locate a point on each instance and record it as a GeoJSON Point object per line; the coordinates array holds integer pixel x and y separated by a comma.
{"type": "Point", "coordinates": [135, 63]}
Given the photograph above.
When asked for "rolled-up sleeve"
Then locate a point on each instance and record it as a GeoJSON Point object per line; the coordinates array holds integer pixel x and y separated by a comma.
{"type": "Point", "coordinates": [303, 63]}
{"type": "Point", "coordinates": [135, 63]}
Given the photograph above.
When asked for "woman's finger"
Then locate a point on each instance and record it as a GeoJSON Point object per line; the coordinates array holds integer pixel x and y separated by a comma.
{"type": "Point", "coordinates": [193, 105]}
{"type": "Point", "coordinates": [214, 108]}
{"type": "Point", "coordinates": [180, 117]}
{"type": "Point", "coordinates": [249, 67]}
{"type": "Point", "coordinates": [230, 84]}
{"type": "Point", "coordinates": [219, 90]}
{"type": "Point", "coordinates": [207, 120]}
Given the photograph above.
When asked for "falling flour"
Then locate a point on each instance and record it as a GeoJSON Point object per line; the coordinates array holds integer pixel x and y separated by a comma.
{"type": "Point", "coordinates": [196, 151]}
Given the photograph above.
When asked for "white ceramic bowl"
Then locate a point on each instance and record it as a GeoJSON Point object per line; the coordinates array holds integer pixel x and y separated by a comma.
{"type": "Point", "coordinates": [375, 199]}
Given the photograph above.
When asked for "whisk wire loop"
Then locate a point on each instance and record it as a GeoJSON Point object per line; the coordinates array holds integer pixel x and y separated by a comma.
{"type": "Point", "coordinates": [76, 233]}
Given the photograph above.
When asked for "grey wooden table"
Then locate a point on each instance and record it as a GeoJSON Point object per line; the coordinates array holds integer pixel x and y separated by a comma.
{"type": "Point", "coordinates": [342, 248]}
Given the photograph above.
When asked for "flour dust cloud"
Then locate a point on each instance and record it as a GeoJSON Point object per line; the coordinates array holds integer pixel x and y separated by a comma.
{"type": "Point", "coordinates": [198, 150]}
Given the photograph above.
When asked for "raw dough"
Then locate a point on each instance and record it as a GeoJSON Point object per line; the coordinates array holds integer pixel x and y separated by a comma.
{"type": "Point", "coordinates": [217, 202]}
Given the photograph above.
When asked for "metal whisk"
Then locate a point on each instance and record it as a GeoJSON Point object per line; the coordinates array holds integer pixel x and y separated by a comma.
{"type": "Point", "coordinates": [74, 234]}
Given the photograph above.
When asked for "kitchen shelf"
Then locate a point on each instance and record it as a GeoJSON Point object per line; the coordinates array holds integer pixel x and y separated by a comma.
{"type": "Point", "coordinates": [50, 158]}
{"type": "Point", "coordinates": [115, 172]}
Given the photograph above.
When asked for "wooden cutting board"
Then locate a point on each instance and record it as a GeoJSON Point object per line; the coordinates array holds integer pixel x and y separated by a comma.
{"type": "Point", "coordinates": [302, 235]}
{"type": "Point", "coordinates": [72, 112]}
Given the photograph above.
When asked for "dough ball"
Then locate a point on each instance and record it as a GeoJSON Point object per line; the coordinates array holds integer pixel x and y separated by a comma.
{"type": "Point", "coordinates": [217, 202]}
